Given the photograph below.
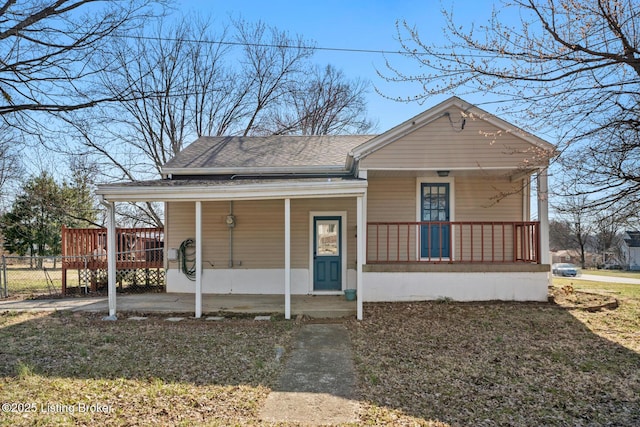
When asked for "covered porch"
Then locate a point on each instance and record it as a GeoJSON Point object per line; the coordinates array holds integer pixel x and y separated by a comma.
{"type": "Point", "coordinates": [280, 195]}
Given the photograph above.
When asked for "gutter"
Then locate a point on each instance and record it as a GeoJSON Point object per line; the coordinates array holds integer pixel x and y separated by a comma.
{"type": "Point", "coordinates": [262, 171]}
{"type": "Point", "coordinates": [232, 192]}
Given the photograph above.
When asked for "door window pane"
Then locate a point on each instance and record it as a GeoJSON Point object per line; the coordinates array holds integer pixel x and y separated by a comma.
{"type": "Point", "coordinates": [327, 238]}
{"type": "Point", "coordinates": [435, 202]}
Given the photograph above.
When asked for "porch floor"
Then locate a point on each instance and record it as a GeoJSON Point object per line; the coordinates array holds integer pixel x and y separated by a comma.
{"type": "Point", "coordinates": [316, 306]}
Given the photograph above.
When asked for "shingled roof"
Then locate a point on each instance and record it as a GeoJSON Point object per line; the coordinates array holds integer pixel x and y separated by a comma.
{"type": "Point", "coordinates": [216, 154]}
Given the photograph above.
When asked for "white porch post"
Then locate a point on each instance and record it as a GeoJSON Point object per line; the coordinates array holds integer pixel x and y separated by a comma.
{"type": "Point", "coordinates": [543, 215]}
{"type": "Point", "coordinates": [287, 258]}
{"type": "Point", "coordinates": [111, 257]}
{"type": "Point", "coordinates": [360, 254]}
{"type": "Point", "coordinates": [198, 313]}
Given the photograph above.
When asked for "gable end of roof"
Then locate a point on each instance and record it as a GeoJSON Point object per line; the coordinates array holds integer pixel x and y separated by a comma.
{"type": "Point", "coordinates": [437, 112]}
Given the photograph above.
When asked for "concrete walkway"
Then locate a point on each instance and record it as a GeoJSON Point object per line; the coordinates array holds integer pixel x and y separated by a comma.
{"type": "Point", "coordinates": [318, 382]}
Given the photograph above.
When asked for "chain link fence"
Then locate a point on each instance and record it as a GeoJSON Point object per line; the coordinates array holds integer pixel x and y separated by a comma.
{"type": "Point", "coordinates": [41, 277]}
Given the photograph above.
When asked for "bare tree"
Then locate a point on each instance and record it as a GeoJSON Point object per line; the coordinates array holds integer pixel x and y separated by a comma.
{"type": "Point", "coordinates": [272, 64]}
{"type": "Point", "coordinates": [10, 162]}
{"type": "Point", "coordinates": [571, 67]}
{"type": "Point", "coordinates": [52, 50]}
{"type": "Point", "coordinates": [187, 81]}
{"type": "Point", "coordinates": [326, 103]}
{"type": "Point", "coordinates": [608, 237]}
{"type": "Point", "coordinates": [51, 53]}
{"type": "Point", "coordinates": [176, 77]}
{"type": "Point", "coordinates": [560, 235]}
{"type": "Point", "coordinates": [578, 216]}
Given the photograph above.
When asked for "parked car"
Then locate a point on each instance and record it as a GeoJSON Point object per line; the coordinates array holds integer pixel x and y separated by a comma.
{"type": "Point", "coordinates": [564, 269]}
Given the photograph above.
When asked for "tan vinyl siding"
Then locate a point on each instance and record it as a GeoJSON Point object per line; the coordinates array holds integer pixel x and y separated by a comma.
{"type": "Point", "coordinates": [488, 199]}
{"type": "Point", "coordinates": [476, 199]}
{"type": "Point", "coordinates": [259, 234]}
{"type": "Point", "coordinates": [300, 245]}
{"type": "Point", "coordinates": [443, 145]}
{"type": "Point", "coordinates": [215, 232]}
{"type": "Point", "coordinates": [258, 238]}
{"type": "Point", "coordinates": [391, 199]}
{"type": "Point", "coordinates": [180, 224]}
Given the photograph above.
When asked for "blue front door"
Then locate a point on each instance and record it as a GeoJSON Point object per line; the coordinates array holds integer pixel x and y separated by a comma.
{"type": "Point", "coordinates": [435, 238]}
{"type": "Point", "coordinates": [327, 257]}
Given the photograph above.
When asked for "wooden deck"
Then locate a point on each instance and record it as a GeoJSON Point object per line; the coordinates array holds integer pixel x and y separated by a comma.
{"type": "Point", "coordinates": [86, 249]}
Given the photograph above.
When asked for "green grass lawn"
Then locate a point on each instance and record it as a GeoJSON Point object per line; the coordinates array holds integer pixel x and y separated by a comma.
{"type": "Point", "coordinates": [623, 290]}
{"type": "Point", "coordinates": [27, 282]}
{"type": "Point", "coordinates": [24, 282]}
{"type": "Point", "coordinates": [427, 364]}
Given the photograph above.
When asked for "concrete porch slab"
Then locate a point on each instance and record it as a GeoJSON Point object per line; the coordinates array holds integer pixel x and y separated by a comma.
{"type": "Point", "coordinates": [319, 306]}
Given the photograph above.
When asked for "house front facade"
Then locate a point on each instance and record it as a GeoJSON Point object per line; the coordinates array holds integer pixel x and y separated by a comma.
{"type": "Point", "coordinates": [631, 249]}
{"type": "Point", "coordinates": [437, 207]}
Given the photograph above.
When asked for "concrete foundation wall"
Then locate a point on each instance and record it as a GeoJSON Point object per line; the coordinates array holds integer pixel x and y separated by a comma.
{"type": "Point", "coordinates": [248, 281]}
{"type": "Point", "coordinates": [475, 286]}
{"type": "Point", "coordinates": [378, 286]}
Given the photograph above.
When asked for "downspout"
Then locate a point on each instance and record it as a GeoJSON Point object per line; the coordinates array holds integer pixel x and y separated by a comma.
{"type": "Point", "coordinates": [230, 236]}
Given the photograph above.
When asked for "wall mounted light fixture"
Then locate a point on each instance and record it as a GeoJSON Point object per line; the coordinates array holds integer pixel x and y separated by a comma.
{"type": "Point", "coordinates": [443, 173]}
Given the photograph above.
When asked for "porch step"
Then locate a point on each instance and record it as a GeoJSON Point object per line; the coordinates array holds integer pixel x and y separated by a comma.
{"type": "Point", "coordinates": [324, 313]}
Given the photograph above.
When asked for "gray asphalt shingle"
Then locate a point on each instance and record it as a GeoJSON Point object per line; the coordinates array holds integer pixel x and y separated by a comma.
{"type": "Point", "coordinates": [268, 151]}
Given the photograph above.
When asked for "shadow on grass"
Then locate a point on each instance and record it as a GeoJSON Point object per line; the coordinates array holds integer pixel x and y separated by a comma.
{"type": "Point", "coordinates": [494, 364]}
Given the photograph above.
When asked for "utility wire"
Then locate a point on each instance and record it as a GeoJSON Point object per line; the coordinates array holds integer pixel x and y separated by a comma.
{"type": "Point", "coordinates": [443, 53]}
{"type": "Point", "coordinates": [302, 47]}
{"type": "Point", "coordinates": [278, 46]}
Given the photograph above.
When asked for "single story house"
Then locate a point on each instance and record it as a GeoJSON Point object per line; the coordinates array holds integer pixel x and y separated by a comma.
{"type": "Point", "coordinates": [436, 207]}
{"type": "Point", "coordinates": [632, 249]}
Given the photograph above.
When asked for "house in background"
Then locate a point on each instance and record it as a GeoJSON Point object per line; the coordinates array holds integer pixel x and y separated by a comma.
{"type": "Point", "coordinates": [632, 249]}
{"type": "Point", "coordinates": [573, 256]}
{"type": "Point", "coordinates": [436, 207]}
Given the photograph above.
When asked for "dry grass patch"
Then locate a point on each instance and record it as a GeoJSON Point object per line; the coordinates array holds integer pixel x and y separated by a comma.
{"type": "Point", "coordinates": [149, 372]}
{"type": "Point", "coordinates": [495, 364]}
{"type": "Point", "coordinates": [432, 364]}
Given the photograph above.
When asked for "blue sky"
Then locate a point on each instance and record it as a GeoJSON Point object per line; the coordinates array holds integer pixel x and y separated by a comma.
{"type": "Point", "coordinates": [359, 24]}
